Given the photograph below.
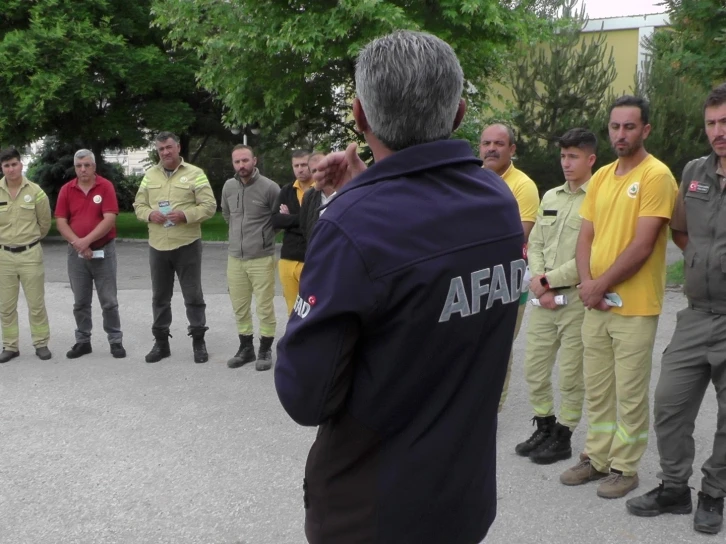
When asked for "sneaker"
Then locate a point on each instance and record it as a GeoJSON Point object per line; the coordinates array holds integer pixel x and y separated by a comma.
{"type": "Point", "coordinates": [617, 485]}
{"type": "Point", "coordinates": [545, 425]}
{"type": "Point", "coordinates": [118, 351]}
{"type": "Point", "coordinates": [709, 515]}
{"type": "Point", "coordinates": [664, 499]}
{"type": "Point", "coordinates": [79, 350]}
{"type": "Point", "coordinates": [556, 448]}
{"type": "Point", "coordinates": [6, 355]}
{"type": "Point", "coordinates": [43, 353]}
{"type": "Point", "coordinates": [581, 473]}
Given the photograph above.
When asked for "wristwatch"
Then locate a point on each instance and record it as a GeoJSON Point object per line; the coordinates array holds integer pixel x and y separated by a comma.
{"type": "Point", "coordinates": [543, 281]}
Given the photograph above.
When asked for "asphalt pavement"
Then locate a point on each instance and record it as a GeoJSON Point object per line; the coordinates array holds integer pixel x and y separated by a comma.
{"type": "Point", "coordinates": [99, 450]}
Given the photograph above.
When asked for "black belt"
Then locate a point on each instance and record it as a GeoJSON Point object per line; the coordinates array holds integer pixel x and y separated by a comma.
{"type": "Point", "coordinates": [19, 249]}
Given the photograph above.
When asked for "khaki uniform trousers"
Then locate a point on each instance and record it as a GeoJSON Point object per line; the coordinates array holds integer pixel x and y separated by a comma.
{"type": "Point", "coordinates": [252, 277]}
{"type": "Point", "coordinates": [548, 332]}
{"type": "Point", "coordinates": [26, 269]}
{"type": "Point", "coordinates": [505, 391]}
{"type": "Point", "coordinates": [290, 279]}
{"type": "Point", "coordinates": [617, 361]}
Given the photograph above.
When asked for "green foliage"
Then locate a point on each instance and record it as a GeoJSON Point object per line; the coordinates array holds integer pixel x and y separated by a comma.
{"type": "Point", "coordinates": [289, 65]}
{"type": "Point", "coordinates": [675, 274]}
{"type": "Point", "coordinates": [696, 47]}
{"type": "Point", "coordinates": [561, 84]}
{"type": "Point", "coordinates": [126, 189]}
{"type": "Point", "coordinates": [676, 116]}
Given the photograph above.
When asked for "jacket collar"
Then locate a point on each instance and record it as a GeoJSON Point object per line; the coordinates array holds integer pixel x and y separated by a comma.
{"type": "Point", "coordinates": [413, 160]}
{"type": "Point", "coordinates": [254, 177]}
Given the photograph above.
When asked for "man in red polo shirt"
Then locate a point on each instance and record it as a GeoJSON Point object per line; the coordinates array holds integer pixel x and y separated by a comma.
{"type": "Point", "coordinates": [86, 216]}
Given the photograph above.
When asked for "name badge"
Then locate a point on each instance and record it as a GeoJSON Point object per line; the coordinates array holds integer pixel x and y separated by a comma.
{"type": "Point", "coordinates": [698, 187]}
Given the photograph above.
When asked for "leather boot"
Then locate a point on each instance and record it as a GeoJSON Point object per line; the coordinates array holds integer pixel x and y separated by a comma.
{"type": "Point", "coordinates": [198, 344]}
{"type": "Point", "coordinates": [264, 356]}
{"type": "Point", "coordinates": [245, 354]}
{"type": "Point", "coordinates": [161, 349]}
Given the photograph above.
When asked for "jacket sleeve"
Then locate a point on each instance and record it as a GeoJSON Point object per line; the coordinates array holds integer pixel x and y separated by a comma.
{"type": "Point", "coordinates": [206, 204]}
{"type": "Point", "coordinates": [284, 220]}
{"type": "Point", "coordinates": [305, 213]}
{"type": "Point", "coordinates": [42, 211]}
{"type": "Point", "coordinates": [314, 368]}
{"type": "Point", "coordinates": [535, 247]}
{"type": "Point", "coordinates": [225, 206]}
{"type": "Point", "coordinates": [142, 209]}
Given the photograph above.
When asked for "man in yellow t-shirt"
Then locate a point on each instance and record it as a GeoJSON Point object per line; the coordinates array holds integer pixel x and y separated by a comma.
{"type": "Point", "coordinates": [621, 249]}
{"type": "Point", "coordinates": [496, 148]}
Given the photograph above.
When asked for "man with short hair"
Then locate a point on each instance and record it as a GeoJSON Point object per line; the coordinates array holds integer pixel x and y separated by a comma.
{"type": "Point", "coordinates": [315, 197]}
{"type": "Point", "coordinates": [556, 328]}
{"type": "Point", "coordinates": [496, 149]}
{"type": "Point", "coordinates": [174, 198]}
{"type": "Point", "coordinates": [85, 215]}
{"type": "Point", "coordinates": [697, 351]}
{"type": "Point", "coordinates": [248, 201]}
{"type": "Point", "coordinates": [621, 254]}
{"type": "Point", "coordinates": [24, 220]}
{"type": "Point", "coordinates": [286, 216]}
{"type": "Point", "coordinates": [398, 343]}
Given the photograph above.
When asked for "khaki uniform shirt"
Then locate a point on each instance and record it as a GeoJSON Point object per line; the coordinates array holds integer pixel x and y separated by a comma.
{"type": "Point", "coordinates": [26, 218]}
{"type": "Point", "coordinates": [552, 243]}
{"type": "Point", "coordinates": [187, 189]}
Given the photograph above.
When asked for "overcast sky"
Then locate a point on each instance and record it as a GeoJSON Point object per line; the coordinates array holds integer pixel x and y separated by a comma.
{"type": "Point", "coordinates": [617, 8]}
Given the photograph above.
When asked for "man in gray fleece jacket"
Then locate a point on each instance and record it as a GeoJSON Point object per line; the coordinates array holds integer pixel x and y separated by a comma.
{"type": "Point", "coordinates": [248, 201]}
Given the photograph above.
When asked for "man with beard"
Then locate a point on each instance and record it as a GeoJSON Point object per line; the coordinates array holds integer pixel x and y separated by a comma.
{"type": "Point", "coordinates": [398, 343]}
{"type": "Point", "coordinates": [248, 201]}
{"type": "Point", "coordinates": [496, 149]}
{"type": "Point", "coordinates": [697, 351]}
{"type": "Point", "coordinates": [621, 249]}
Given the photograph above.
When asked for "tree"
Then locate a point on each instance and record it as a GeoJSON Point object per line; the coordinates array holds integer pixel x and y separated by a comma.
{"type": "Point", "coordinates": [676, 109]}
{"type": "Point", "coordinates": [696, 44]}
{"type": "Point", "coordinates": [289, 65]}
{"type": "Point", "coordinates": [561, 84]}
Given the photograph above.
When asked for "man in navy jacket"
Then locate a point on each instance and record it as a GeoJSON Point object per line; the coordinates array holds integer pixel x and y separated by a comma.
{"type": "Point", "coordinates": [398, 343]}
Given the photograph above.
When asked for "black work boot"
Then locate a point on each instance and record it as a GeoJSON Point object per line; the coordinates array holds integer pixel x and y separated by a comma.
{"type": "Point", "coordinates": [545, 425]}
{"type": "Point", "coordinates": [556, 448]}
{"type": "Point", "coordinates": [79, 350]}
{"type": "Point", "coordinates": [198, 344]}
{"type": "Point", "coordinates": [264, 356]}
{"type": "Point", "coordinates": [667, 498]}
{"type": "Point", "coordinates": [245, 354]}
{"type": "Point", "coordinates": [161, 348]}
{"type": "Point", "coordinates": [709, 515]}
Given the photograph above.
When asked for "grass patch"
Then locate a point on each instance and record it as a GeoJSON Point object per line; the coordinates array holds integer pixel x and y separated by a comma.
{"type": "Point", "coordinates": [675, 274]}
{"type": "Point", "coordinates": [127, 226]}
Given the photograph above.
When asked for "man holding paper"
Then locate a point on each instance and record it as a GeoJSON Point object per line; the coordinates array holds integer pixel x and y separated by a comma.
{"type": "Point", "coordinates": [174, 198]}
{"type": "Point", "coordinates": [621, 249]}
{"type": "Point", "coordinates": [86, 217]}
{"type": "Point", "coordinates": [557, 327]}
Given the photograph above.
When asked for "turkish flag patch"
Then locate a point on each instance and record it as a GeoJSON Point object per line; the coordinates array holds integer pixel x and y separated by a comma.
{"type": "Point", "coordinates": [312, 300]}
{"type": "Point", "coordinates": [693, 186]}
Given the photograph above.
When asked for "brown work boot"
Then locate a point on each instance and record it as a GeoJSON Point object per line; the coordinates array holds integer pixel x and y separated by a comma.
{"type": "Point", "coordinates": [581, 473]}
{"type": "Point", "coordinates": [616, 485]}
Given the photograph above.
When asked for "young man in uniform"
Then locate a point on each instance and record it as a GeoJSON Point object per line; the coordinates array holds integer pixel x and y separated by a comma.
{"type": "Point", "coordinates": [24, 220]}
{"type": "Point", "coordinates": [556, 328]}
{"type": "Point", "coordinates": [86, 217]}
{"type": "Point", "coordinates": [286, 216]}
{"type": "Point", "coordinates": [174, 198]}
{"type": "Point", "coordinates": [696, 354]}
{"type": "Point", "coordinates": [621, 249]}
{"type": "Point", "coordinates": [248, 202]}
{"type": "Point", "coordinates": [496, 149]}
{"type": "Point", "coordinates": [398, 343]}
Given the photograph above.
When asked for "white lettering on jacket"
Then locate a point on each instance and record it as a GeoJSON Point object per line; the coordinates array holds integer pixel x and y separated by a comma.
{"type": "Point", "coordinates": [301, 307]}
{"type": "Point", "coordinates": [496, 289]}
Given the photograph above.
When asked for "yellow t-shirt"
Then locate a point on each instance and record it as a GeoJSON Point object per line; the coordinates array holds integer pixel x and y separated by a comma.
{"type": "Point", "coordinates": [613, 204]}
{"type": "Point", "coordinates": [525, 192]}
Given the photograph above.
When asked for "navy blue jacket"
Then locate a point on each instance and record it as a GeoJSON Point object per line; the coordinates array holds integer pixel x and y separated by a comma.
{"type": "Point", "coordinates": [398, 347]}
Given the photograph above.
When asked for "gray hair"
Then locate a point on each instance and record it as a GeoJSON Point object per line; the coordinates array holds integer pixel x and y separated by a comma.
{"type": "Point", "coordinates": [83, 153]}
{"type": "Point", "coordinates": [410, 85]}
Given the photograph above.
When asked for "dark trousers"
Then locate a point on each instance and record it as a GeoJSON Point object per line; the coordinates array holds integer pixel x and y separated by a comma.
{"type": "Point", "coordinates": [695, 357]}
{"type": "Point", "coordinates": [83, 273]}
{"type": "Point", "coordinates": [186, 262]}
